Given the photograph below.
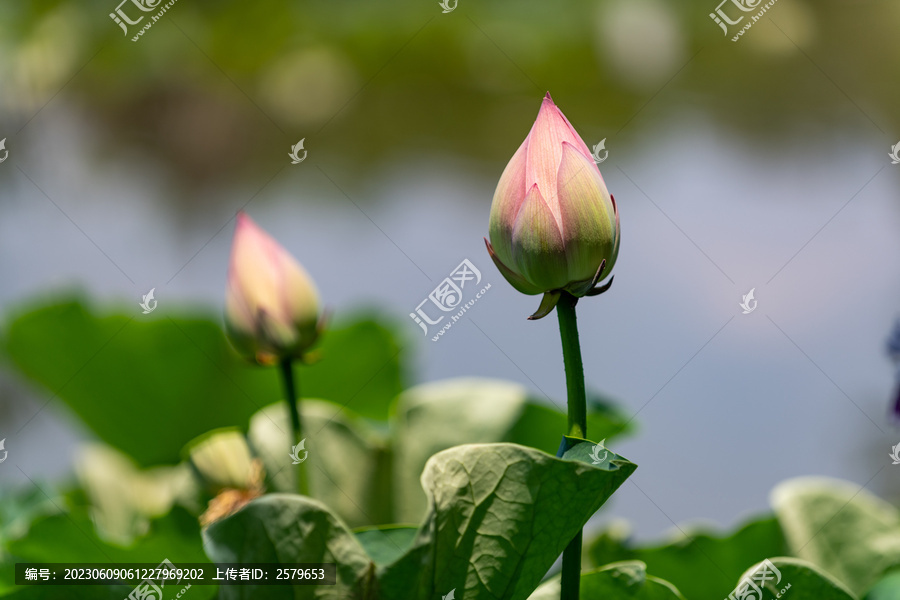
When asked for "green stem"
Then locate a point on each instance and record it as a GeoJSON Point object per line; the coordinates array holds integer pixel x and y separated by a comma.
{"type": "Point", "coordinates": [568, 331]}
{"type": "Point", "coordinates": [577, 405]}
{"type": "Point", "coordinates": [290, 392]}
{"type": "Point", "coordinates": [571, 569]}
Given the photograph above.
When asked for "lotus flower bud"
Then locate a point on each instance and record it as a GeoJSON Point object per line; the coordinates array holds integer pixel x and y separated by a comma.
{"type": "Point", "coordinates": [271, 304]}
{"type": "Point", "coordinates": [554, 226]}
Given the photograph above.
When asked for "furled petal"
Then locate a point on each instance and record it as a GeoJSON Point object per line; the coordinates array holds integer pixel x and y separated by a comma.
{"type": "Point", "coordinates": [277, 333]}
{"type": "Point", "coordinates": [255, 259]}
{"type": "Point", "coordinates": [548, 303]}
{"type": "Point", "coordinates": [508, 198]}
{"type": "Point", "coordinates": [237, 314]}
{"type": "Point", "coordinates": [271, 303]}
{"type": "Point", "coordinates": [584, 288]}
{"type": "Point", "coordinates": [588, 216]}
{"type": "Point", "coordinates": [611, 262]}
{"type": "Point", "coordinates": [514, 279]}
{"type": "Point", "coordinates": [538, 250]}
{"type": "Point", "coordinates": [601, 289]}
{"type": "Point", "coordinates": [550, 130]}
{"type": "Point", "coordinates": [300, 298]}
{"type": "Point", "coordinates": [240, 324]}
{"type": "Point", "coordinates": [572, 137]}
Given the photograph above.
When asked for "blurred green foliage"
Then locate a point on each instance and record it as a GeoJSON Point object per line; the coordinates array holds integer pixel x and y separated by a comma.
{"type": "Point", "coordinates": [846, 537]}
{"type": "Point", "coordinates": [69, 537]}
{"type": "Point", "coordinates": [149, 387]}
{"type": "Point", "coordinates": [888, 588]}
{"type": "Point", "coordinates": [722, 558]}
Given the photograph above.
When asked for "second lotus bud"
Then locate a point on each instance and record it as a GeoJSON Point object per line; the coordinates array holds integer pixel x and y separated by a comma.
{"type": "Point", "coordinates": [272, 309]}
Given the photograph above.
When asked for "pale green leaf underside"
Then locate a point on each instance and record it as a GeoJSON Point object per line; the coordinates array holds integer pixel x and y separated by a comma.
{"type": "Point", "coordinates": [286, 528]}
{"type": "Point", "coordinates": [499, 516]}
{"type": "Point", "coordinates": [800, 580]}
{"type": "Point", "coordinates": [845, 530]}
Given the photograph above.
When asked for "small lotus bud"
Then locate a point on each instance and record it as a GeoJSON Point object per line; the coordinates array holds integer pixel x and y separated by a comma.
{"type": "Point", "coordinates": [554, 226]}
{"type": "Point", "coordinates": [272, 308]}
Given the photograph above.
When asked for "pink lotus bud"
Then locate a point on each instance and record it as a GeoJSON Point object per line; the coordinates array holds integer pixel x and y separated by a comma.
{"type": "Point", "coordinates": [271, 304]}
{"type": "Point", "coordinates": [554, 226]}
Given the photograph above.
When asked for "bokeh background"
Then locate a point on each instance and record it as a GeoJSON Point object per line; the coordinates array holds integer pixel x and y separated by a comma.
{"type": "Point", "coordinates": [757, 164]}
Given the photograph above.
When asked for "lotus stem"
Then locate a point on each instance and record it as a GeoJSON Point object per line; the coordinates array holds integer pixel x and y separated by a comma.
{"type": "Point", "coordinates": [577, 399]}
{"type": "Point", "coordinates": [290, 396]}
{"type": "Point", "coordinates": [577, 426]}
